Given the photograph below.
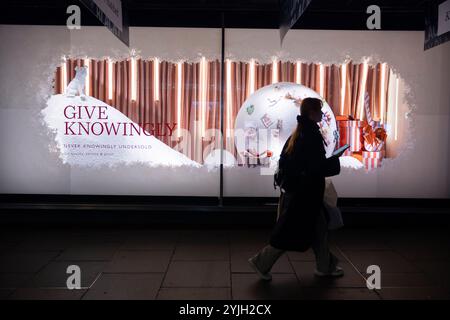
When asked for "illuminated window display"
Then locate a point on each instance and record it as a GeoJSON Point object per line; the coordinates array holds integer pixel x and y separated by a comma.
{"type": "Point", "coordinates": [179, 105]}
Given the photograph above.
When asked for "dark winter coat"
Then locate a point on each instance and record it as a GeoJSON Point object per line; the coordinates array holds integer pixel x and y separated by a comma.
{"type": "Point", "coordinates": [299, 208]}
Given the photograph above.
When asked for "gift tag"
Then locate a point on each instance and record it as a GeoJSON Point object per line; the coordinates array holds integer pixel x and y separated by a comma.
{"type": "Point", "coordinates": [275, 133]}
{"type": "Point", "coordinates": [250, 129]}
{"type": "Point", "coordinates": [266, 121]}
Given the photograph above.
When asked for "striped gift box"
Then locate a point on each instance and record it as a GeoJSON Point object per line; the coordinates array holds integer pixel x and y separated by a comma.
{"type": "Point", "coordinates": [350, 132]}
{"type": "Point", "coordinates": [371, 163]}
{"type": "Point", "coordinates": [373, 154]}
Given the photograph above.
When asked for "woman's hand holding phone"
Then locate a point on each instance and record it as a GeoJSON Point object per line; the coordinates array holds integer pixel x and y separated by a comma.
{"type": "Point", "coordinates": [339, 152]}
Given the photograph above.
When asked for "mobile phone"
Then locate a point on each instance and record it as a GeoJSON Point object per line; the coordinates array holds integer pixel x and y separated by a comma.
{"type": "Point", "coordinates": [341, 149]}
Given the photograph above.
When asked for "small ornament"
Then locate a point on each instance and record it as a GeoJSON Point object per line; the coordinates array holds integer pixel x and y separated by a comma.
{"type": "Point", "coordinates": [250, 109]}
{"type": "Point", "coordinates": [273, 102]}
{"type": "Point", "coordinates": [279, 124]}
{"type": "Point", "coordinates": [297, 101]}
{"type": "Point", "coordinates": [336, 136]}
{"type": "Point", "coordinates": [327, 118]}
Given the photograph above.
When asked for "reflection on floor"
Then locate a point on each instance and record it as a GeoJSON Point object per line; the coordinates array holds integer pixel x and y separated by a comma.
{"type": "Point", "coordinates": [211, 264]}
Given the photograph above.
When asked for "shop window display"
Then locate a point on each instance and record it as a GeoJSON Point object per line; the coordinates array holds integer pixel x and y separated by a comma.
{"type": "Point", "coordinates": [178, 104]}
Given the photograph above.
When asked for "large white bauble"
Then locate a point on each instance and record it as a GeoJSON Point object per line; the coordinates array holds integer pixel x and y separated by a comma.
{"type": "Point", "coordinates": [279, 101]}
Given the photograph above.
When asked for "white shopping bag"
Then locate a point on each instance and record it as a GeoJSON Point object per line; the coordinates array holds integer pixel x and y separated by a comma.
{"type": "Point", "coordinates": [330, 203]}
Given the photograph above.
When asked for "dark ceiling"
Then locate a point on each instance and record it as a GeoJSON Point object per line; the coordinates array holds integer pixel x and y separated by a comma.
{"type": "Point", "coordinates": [321, 14]}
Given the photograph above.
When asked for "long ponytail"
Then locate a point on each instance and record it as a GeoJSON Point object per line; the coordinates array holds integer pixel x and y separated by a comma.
{"type": "Point", "coordinates": [293, 139]}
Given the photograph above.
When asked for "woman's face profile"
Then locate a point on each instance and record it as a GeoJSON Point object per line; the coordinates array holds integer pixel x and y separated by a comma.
{"type": "Point", "coordinates": [316, 115]}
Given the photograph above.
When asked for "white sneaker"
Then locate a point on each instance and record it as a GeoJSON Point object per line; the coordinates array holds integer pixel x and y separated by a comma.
{"type": "Point", "coordinates": [265, 276]}
{"type": "Point", "coordinates": [338, 272]}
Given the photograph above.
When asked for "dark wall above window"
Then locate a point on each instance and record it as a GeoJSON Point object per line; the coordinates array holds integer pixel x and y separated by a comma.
{"type": "Point", "coordinates": [321, 14]}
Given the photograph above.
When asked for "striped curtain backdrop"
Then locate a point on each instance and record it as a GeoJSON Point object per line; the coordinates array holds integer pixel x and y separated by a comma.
{"type": "Point", "coordinates": [188, 94]}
